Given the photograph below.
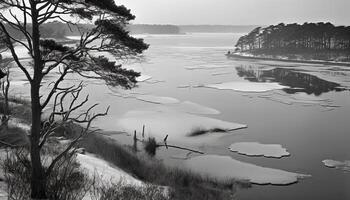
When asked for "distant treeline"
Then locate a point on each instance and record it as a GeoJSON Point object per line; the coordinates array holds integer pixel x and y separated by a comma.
{"type": "Point", "coordinates": [182, 29]}
{"type": "Point", "coordinates": [51, 30]}
{"type": "Point", "coordinates": [216, 28]}
{"type": "Point", "coordinates": [60, 30]}
{"type": "Point", "coordinates": [296, 37]}
{"type": "Point", "coordinates": [153, 29]}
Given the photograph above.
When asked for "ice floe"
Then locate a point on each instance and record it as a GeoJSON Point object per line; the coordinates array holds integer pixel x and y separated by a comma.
{"type": "Point", "coordinates": [342, 165]}
{"type": "Point", "coordinates": [258, 149]}
{"type": "Point", "coordinates": [247, 86]}
{"type": "Point", "coordinates": [178, 125]}
{"type": "Point", "coordinates": [225, 167]}
{"type": "Point", "coordinates": [157, 99]}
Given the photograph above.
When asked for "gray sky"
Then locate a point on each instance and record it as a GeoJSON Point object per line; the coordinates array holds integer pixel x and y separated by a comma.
{"type": "Point", "coordinates": [238, 12]}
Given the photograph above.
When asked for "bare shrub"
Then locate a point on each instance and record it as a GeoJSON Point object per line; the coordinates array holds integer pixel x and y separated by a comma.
{"type": "Point", "coordinates": [151, 146]}
{"type": "Point", "coordinates": [119, 191]}
{"type": "Point", "coordinates": [66, 181]}
{"type": "Point", "coordinates": [16, 168]}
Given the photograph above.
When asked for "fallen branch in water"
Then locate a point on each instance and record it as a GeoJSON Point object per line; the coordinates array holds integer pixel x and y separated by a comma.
{"type": "Point", "coordinates": [151, 144]}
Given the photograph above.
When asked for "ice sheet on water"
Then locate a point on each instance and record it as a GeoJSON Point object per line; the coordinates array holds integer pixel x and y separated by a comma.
{"type": "Point", "coordinates": [225, 167]}
{"type": "Point", "coordinates": [247, 86]}
{"type": "Point", "coordinates": [342, 165]}
{"type": "Point", "coordinates": [178, 125]}
{"type": "Point", "coordinates": [258, 149]}
{"type": "Point", "coordinates": [157, 99]}
{"type": "Point", "coordinates": [194, 108]}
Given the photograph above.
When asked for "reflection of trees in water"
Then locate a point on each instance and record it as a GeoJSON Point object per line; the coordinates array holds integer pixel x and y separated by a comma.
{"type": "Point", "coordinates": [301, 82]}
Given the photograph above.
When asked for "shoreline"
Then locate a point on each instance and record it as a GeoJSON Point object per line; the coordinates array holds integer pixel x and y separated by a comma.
{"type": "Point", "coordinates": [252, 57]}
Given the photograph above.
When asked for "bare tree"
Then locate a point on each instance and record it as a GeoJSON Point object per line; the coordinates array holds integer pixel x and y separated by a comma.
{"type": "Point", "coordinates": [5, 87]}
{"type": "Point", "coordinates": [107, 35]}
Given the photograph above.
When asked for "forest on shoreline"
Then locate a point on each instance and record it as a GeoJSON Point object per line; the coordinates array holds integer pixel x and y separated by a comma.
{"type": "Point", "coordinates": [319, 41]}
{"type": "Point", "coordinates": [60, 30]}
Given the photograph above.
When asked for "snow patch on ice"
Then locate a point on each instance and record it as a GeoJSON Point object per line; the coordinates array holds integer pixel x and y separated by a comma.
{"type": "Point", "coordinates": [258, 149]}
{"type": "Point", "coordinates": [225, 167]}
{"type": "Point", "coordinates": [143, 78]}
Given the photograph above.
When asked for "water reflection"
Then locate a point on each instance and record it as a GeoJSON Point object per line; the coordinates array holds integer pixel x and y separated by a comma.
{"type": "Point", "coordinates": [296, 80]}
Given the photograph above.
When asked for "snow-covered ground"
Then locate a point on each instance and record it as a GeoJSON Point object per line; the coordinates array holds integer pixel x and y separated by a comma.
{"type": "Point", "coordinates": [105, 171]}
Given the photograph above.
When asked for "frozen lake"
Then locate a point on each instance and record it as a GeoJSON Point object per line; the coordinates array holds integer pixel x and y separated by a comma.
{"type": "Point", "coordinates": [189, 84]}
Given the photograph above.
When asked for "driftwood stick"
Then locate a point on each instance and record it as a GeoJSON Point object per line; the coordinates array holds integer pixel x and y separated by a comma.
{"type": "Point", "coordinates": [166, 144]}
{"type": "Point", "coordinates": [177, 147]}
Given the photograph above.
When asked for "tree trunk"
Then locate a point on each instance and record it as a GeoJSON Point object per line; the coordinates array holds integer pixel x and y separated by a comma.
{"type": "Point", "coordinates": [38, 179]}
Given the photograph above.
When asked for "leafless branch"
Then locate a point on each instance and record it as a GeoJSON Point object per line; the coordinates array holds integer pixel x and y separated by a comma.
{"type": "Point", "coordinates": [67, 116]}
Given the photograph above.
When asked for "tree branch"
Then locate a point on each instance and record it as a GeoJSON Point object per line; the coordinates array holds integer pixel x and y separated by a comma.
{"type": "Point", "coordinates": [14, 55]}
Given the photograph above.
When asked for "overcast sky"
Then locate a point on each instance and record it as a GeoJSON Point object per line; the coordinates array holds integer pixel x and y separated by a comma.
{"type": "Point", "coordinates": [238, 12]}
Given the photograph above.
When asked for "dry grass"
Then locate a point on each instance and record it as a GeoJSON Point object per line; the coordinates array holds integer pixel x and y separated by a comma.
{"type": "Point", "coordinates": [19, 108]}
{"type": "Point", "coordinates": [185, 184]}
{"type": "Point", "coordinates": [14, 136]}
{"type": "Point", "coordinates": [119, 191]}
